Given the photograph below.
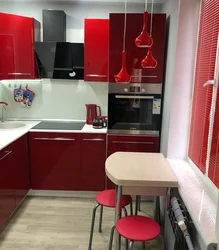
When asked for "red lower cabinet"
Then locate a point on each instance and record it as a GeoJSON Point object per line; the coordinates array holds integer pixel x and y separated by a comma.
{"type": "Point", "coordinates": [14, 177]}
{"type": "Point", "coordinates": [55, 161]}
{"type": "Point", "coordinates": [21, 174]}
{"type": "Point", "coordinates": [93, 157]}
{"type": "Point", "coordinates": [131, 144]}
{"type": "Point", "coordinates": [7, 201]}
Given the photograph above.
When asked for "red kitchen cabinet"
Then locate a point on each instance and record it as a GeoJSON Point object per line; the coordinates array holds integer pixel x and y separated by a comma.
{"type": "Point", "coordinates": [21, 175]}
{"type": "Point", "coordinates": [17, 57]}
{"type": "Point", "coordinates": [96, 50]}
{"type": "Point", "coordinates": [131, 144]}
{"type": "Point", "coordinates": [135, 54]}
{"type": "Point", "coordinates": [7, 202]}
{"type": "Point", "coordinates": [93, 157]}
{"type": "Point", "coordinates": [55, 161]}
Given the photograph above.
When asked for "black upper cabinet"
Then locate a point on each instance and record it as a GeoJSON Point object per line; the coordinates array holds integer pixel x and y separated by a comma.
{"type": "Point", "coordinates": [54, 26]}
{"type": "Point", "coordinates": [60, 60]}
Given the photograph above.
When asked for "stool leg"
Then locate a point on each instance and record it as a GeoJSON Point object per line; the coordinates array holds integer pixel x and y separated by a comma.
{"type": "Point", "coordinates": [136, 204]}
{"type": "Point", "coordinates": [125, 211]}
{"type": "Point", "coordinates": [131, 208]}
{"type": "Point", "coordinates": [131, 245]}
{"type": "Point", "coordinates": [101, 219]}
{"type": "Point", "coordinates": [139, 203]}
{"type": "Point", "coordinates": [111, 237]}
{"type": "Point", "coordinates": [92, 226]}
{"type": "Point", "coordinates": [143, 245]}
{"type": "Point", "coordinates": [126, 244]}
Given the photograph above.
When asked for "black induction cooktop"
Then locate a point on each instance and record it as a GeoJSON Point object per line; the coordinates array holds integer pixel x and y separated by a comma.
{"type": "Point", "coordinates": [46, 125]}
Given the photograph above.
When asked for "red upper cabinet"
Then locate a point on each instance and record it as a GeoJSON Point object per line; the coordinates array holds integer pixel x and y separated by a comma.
{"type": "Point", "coordinates": [93, 157]}
{"type": "Point", "coordinates": [55, 161]}
{"type": "Point", "coordinates": [17, 57]}
{"type": "Point", "coordinates": [96, 50]}
{"type": "Point", "coordinates": [135, 54]}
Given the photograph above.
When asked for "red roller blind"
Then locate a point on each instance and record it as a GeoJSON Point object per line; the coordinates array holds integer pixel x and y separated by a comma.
{"type": "Point", "coordinates": [213, 172]}
{"type": "Point", "coordinates": [202, 97]}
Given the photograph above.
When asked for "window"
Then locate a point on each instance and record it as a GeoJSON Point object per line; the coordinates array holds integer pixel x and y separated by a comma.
{"type": "Point", "coordinates": [204, 131]}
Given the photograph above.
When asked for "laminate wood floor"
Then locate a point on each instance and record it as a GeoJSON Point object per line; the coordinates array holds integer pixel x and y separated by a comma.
{"type": "Point", "coordinates": [45, 223]}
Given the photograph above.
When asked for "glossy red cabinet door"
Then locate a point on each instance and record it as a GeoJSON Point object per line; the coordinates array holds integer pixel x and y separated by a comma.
{"type": "Point", "coordinates": [17, 47]}
{"type": "Point", "coordinates": [55, 161]}
{"type": "Point", "coordinates": [21, 175]}
{"type": "Point", "coordinates": [93, 157]}
{"type": "Point", "coordinates": [96, 50]}
{"type": "Point", "coordinates": [131, 144]}
{"type": "Point", "coordinates": [135, 54]}
{"type": "Point", "coordinates": [7, 204]}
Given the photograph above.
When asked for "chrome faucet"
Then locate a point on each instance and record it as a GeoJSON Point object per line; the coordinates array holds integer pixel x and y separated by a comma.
{"type": "Point", "coordinates": [3, 108]}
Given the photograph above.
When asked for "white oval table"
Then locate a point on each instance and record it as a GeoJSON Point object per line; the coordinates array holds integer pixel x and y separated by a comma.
{"type": "Point", "coordinates": [139, 174]}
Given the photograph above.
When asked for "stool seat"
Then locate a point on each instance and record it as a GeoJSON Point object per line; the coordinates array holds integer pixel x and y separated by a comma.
{"type": "Point", "coordinates": [138, 228]}
{"type": "Point", "coordinates": [107, 198]}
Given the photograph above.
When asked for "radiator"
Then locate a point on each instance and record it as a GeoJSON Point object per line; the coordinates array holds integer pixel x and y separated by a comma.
{"type": "Point", "coordinates": [174, 237]}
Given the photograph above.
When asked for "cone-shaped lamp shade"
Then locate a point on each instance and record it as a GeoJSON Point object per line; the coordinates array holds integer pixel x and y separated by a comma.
{"type": "Point", "coordinates": [144, 40]}
{"type": "Point", "coordinates": [123, 76]}
{"type": "Point", "coordinates": [149, 61]}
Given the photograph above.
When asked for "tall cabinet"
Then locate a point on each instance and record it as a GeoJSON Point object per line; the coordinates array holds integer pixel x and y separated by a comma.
{"type": "Point", "coordinates": [134, 54]}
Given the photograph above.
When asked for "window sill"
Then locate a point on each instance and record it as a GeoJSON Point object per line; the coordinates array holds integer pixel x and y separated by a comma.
{"type": "Point", "coordinates": [199, 199]}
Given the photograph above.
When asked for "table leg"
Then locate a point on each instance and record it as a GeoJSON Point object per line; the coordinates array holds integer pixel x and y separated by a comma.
{"type": "Point", "coordinates": [118, 212]}
{"type": "Point", "coordinates": [157, 209]}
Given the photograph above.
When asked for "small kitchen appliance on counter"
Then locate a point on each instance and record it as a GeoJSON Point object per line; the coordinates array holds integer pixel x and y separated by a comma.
{"type": "Point", "coordinates": [93, 111]}
{"type": "Point", "coordinates": [100, 122]}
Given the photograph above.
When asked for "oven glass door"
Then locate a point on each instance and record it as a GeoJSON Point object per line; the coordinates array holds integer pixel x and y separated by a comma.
{"type": "Point", "coordinates": [134, 112]}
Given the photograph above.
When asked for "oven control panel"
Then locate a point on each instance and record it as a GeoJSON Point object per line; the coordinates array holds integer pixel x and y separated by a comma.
{"type": "Point", "coordinates": [135, 88]}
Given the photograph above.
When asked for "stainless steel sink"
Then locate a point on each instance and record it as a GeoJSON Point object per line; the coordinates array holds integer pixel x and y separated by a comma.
{"type": "Point", "coordinates": [11, 125]}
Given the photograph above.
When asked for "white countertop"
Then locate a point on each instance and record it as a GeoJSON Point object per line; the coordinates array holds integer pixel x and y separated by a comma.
{"type": "Point", "coordinates": [9, 136]}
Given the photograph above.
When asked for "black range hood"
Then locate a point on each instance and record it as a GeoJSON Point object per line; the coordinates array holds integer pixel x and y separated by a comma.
{"type": "Point", "coordinates": [60, 60]}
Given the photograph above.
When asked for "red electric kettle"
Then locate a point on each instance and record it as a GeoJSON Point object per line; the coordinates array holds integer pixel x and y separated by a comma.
{"type": "Point", "coordinates": [92, 112]}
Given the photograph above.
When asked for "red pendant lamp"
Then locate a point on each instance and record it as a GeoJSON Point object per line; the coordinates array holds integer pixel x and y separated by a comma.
{"type": "Point", "coordinates": [123, 76]}
{"type": "Point", "coordinates": [144, 40]}
{"type": "Point", "coordinates": [149, 61]}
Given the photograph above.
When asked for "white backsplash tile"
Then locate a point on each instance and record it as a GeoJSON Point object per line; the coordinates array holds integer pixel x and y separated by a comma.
{"type": "Point", "coordinates": [56, 99]}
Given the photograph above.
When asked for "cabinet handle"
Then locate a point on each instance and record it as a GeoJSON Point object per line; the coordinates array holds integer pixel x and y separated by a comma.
{"type": "Point", "coordinates": [142, 76]}
{"type": "Point", "coordinates": [7, 153]}
{"type": "Point", "coordinates": [95, 139]}
{"type": "Point", "coordinates": [95, 75]}
{"type": "Point", "coordinates": [19, 74]}
{"type": "Point", "coordinates": [133, 97]}
{"type": "Point", "coordinates": [134, 142]}
{"type": "Point", "coordinates": [54, 139]}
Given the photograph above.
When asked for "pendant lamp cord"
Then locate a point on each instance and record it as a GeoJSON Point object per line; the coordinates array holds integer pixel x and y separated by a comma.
{"type": "Point", "coordinates": [146, 5]}
{"type": "Point", "coordinates": [152, 11]}
{"type": "Point", "coordinates": [124, 33]}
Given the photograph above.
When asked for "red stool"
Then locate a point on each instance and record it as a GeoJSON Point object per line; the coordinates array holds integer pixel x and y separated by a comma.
{"type": "Point", "coordinates": [107, 198]}
{"type": "Point", "coordinates": [136, 228]}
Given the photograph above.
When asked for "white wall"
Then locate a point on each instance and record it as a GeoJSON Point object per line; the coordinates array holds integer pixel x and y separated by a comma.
{"type": "Point", "coordinates": [183, 79]}
{"type": "Point", "coordinates": [171, 8]}
{"type": "Point", "coordinates": [56, 99]}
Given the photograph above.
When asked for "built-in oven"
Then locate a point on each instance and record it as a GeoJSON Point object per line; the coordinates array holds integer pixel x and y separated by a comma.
{"type": "Point", "coordinates": [134, 109]}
